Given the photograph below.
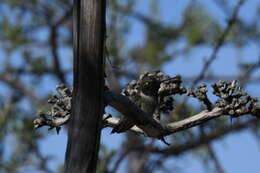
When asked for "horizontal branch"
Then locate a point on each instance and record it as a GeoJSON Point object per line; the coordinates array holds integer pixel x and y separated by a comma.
{"type": "Point", "coordinates": [45, 120]}
{"type": "Point", "coordinates": [194, 120]}
{"type": "Point", "coordinates": [144, 123]}
{"type": "Point", "coordinates": [174, 127]}
{"type": "Point", "coordinates": [170, 128]}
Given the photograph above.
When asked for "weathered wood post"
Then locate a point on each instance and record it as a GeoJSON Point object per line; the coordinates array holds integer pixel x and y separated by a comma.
{"type": "Point", "coordinates": [88, 85]}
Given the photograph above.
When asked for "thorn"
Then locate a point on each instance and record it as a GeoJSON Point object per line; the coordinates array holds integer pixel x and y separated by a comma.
{"type": "Point", "coordinates": [165, 142]}
{"type": "Point", "coordinates": [58, 129]}
{"type": "Point", "coordinates": [113, 131]}
{"type": "Point", "coordinates": [231, 121]}
{"type": "Point", "coordinates": [107, 116]}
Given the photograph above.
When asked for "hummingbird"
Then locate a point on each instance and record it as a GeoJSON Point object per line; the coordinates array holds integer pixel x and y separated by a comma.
{"type": "Point", "coordinates": [144, 93]}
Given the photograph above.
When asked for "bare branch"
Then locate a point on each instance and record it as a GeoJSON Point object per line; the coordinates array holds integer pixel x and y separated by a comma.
{"type": "Point", "coordinates": [194, 143]}
{"type": "Point", "coordinates": [170, 128]}
{"type": "Point", "coordinates": [232, 101]}
{"type": "Point", "coordinates": [194, 120]}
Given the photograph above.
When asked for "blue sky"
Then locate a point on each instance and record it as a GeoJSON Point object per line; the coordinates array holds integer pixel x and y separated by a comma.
{"type": "Point", "coordinates": [240, 152]}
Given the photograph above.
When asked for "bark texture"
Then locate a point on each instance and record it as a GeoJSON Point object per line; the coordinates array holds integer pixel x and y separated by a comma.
{"type": "Point", "coordinates": [88, 84]}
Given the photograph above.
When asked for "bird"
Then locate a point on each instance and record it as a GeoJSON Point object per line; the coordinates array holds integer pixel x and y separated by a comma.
{"type": "Point", "coordinates": [144, 93]}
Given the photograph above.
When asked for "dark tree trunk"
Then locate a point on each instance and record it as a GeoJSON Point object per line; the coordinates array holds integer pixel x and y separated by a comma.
{"type": "Point", "coordinates": [87, 104]}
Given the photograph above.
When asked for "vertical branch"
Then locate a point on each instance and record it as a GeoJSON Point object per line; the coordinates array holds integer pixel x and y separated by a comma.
{"type": "Point", "coordinates": [88, 85]}
{"type": "Point", "coordinates": [54, 50]}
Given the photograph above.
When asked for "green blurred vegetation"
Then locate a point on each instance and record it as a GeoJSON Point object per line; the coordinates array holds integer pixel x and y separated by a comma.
{"type": "Point", "coordinates": [36, 47]}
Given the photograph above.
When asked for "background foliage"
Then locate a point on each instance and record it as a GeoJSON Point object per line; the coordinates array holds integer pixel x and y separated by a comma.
{"type": "Point", "coordinates": [177, 37]}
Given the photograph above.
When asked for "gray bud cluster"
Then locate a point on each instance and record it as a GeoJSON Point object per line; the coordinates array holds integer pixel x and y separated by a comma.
{"type": "Point", "coordinates": [171, 86]}
{"type": "Point", "coordinates": [201, 94]}
{"type": "Point", "coordinates": [158, 85]}
{"type": "Point", "coordinates": [61, 108]}
{"type": "Point", "coordinates": [166, 106]}
{"type": "Point", "coordinates": [233, 100]}
{"type": "Point", "coordinates": [132, 91]}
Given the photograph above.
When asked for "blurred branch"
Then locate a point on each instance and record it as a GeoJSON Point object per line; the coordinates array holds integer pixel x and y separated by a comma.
{"type": "Point", "coordinates": [66, 16]}
{"type": "Point", "coordinates": [54, 50]}
{"type": "Point", "coordinates": [222, 6]}
{"type": "Point", "coordinates": [120, 159]}
{"type": "Point", "coordinates": [213, 156]}
{"type": "Point", "coordinates": [195, 143]}
{"type": "Point", "coordinates": [140, 167]}
{"type": "Point", "coordinates": [150, 22]}
{"type": "Point", "coordinates": [53, 40]}
{"type": "Point", "coordinates": [43, 165]}
{"type": "Point", "coordinates": [245, 78]}
{"type": "Point", "coordinates": [139, 16]}
{"type": "Point", "coordinates": [219, 43]}
{"type": "Point", "coordinates": [43, 71]}
{"type": "Point", "coordinates": [16, 84]}
{"type": "Point", "coordinates": [210, 151]}
{"type": "Point", "coordinates": [213, 78]}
